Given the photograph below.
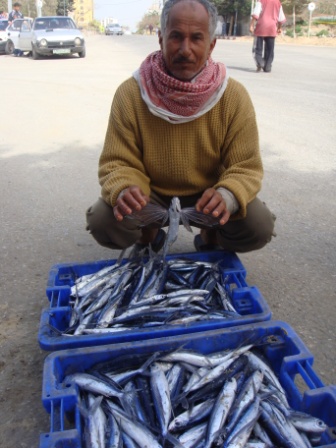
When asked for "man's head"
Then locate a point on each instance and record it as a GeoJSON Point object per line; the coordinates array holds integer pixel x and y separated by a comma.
{"type": "Point", "coordinates": [187, 36]}
{"type": "Point", "coordinates": [17, 6]}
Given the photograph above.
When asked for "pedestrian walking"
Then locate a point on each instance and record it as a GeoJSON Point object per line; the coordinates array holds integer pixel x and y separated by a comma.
{"type": "Point", "coordinates": [266, 22]}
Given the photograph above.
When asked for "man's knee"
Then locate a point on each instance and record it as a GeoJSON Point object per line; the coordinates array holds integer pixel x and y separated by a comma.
{"type": "Point", "coordinates": [106, 230]}
{"type": "Point", "coordinates": [250, 233]}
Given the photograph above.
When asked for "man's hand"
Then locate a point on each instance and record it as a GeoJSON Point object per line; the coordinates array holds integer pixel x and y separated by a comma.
{"type": "Point", "coordinates": [212, 203]}
{"type": "Point", "coordinates": [131, 199]}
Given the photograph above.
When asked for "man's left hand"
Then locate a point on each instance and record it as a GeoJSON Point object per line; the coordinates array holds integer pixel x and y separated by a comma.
{"type": "Point", "coordinates": [212, 203]}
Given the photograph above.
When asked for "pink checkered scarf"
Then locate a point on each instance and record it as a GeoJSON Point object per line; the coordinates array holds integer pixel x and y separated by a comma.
{"type": "Point", "coordinates": [176, 100]}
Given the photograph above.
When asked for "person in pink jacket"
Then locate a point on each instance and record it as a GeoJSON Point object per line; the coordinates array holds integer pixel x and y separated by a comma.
{"type": "Point", "coordinates": [267, 19]}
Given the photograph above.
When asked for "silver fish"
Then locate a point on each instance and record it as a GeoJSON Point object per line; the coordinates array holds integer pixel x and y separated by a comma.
{"type": "Point", "coordinates": [154, 213]}
{"type": "Point", "coordinates": [135, 430]}
{"type": "Point", "coordinates": [161, 396]}
{"type": "Point", "coordinates": [306, 422]}
{"type": "Point", "coordinates": [221, 410]}
{"type": "Point", "coordinates": [243, 429]}
{"type": "Point", "coordinates": [194, 415]}
{"type": "Point", "coordinates": [93, 384]}
{"type": "Point", "coordinates": [95, 422]}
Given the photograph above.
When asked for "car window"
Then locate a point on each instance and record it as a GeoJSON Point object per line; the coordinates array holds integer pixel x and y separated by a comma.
{"type": "Point", "coordinates": [25, 26]}
{"type": "Point", "coordinates": [40, 25]}
{"type": "Point", "coordinates": [3, 25]}
{"type": "Point", "coordinates": [65, 23]}
{"type": "Point", "coordinates": [55, 23]}
{"type": "Point", "coordinates": [16, 25]}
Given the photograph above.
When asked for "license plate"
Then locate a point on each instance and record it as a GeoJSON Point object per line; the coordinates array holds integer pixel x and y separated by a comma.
{"type": "Point", "coordinates": [62, 51]}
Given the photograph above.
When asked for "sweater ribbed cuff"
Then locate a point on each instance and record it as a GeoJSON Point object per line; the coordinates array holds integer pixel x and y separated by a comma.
{"type": "Point", "coordinates": [230, 200]}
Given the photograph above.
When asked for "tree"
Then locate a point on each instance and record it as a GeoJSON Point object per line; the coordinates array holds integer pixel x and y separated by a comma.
{"type": "Point", "coordinates": [149, 19]}
{"type": "Point", "coordinates": [49, 7]}
{"type": "Point", "coordinates": [294, 7]}
{"type": "Point", "coordinates": [3, 5]}
{"type": "Point", "coordinates": [63, 7]}
{"type": "Point", "coordinates": [230, 9]}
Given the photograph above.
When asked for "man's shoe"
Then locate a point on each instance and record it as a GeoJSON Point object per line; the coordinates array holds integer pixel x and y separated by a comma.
{"type": "Point", "coordinates": [156, 245]}
{"type": "Point", "coordinates": [201, 246]}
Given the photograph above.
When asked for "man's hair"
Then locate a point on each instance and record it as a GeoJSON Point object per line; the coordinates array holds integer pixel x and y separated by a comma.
{"type": "Point", "coordinates": [17, 4]}
{"type": "Point", "coordinates": [211, 9]}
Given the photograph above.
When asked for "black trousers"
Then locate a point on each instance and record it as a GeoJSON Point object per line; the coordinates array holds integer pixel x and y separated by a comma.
{"type": "Point", "coordinates": [264, 52]}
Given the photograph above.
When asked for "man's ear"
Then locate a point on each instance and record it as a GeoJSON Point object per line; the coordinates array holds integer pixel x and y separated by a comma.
{"type": "Point", "coordinates": [212, 46]}
{"type": "Point", "coordinates": [160, 38]}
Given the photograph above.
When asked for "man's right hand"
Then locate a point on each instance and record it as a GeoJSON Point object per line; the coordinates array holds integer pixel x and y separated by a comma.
{"type": "Point", "coordinates": [131, 199]}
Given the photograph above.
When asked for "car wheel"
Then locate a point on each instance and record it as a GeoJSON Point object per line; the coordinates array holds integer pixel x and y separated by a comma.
{"type": "Point", "coordinates": [10, 47]}
{"type": "Point", "coordinates": [82, 54]}
{"type": "Point", "coordinates": [34, 53]}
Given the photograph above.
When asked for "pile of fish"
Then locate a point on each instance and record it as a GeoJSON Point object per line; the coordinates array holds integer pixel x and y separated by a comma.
{"type": "Point", "coordinates": [148, 292]}
{"type": "Point", "coordinates": [184, 398]}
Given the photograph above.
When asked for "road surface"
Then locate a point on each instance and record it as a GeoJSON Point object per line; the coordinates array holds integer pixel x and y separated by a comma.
{"type": "Point", "coordinates": [53, 119]}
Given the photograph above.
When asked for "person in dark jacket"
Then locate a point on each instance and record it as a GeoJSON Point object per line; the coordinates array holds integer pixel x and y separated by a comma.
{"type": "Point", "coordinates": [16, 14]}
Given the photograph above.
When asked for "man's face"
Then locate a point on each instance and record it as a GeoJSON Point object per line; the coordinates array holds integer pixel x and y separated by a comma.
{"type": "Point", "coordinates": [186, 43]}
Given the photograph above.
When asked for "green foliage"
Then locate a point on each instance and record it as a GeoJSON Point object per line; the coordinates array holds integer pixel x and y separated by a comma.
{"type": "Point", "coordinates": [323, 33]}
{"type": "Point", "coordinates": [325, 21]}
{"type": "Point", "coordinates": [290, 5]}
{"type": "Point", "coordinates": [63, 7]}
{"type": "Point", "coordinates": [96, 25]}
{"type": "Point", "coordinates": [49, 7]}
{"type": "Point", "coordinates": [226, 8]}
{"type": "Point", "coordinates": [299, 31]}
{"type": "Point", "coordinates": [3, 5]}
{"type": "Point", "coordinates": [152, 18]}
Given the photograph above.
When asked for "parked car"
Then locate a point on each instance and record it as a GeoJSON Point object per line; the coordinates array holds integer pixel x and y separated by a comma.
{"type": "Point", "coordinates": [3, 34]}
{"type": "Point", "coordinates": [52, 35]}
{"type": "Point", "coordinates": [13, 33]}
{"type": "Point", "coordinates": [114, 28]}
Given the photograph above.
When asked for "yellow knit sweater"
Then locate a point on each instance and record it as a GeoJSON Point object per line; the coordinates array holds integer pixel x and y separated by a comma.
{"type": "Point", "coordinates": [219, 149]}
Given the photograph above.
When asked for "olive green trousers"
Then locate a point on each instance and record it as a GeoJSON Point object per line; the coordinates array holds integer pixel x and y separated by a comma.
{"type": "Point", "coordinates": [240, 235]}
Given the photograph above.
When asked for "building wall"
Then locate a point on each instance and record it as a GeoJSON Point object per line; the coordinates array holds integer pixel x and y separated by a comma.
{"type": "Point", "coordinates": [83, 13]}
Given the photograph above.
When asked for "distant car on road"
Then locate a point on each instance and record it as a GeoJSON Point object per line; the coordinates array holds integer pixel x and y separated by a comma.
{"type": "Point", "coordinates": [3, 34]}
{"type": "Point", "coordinates": [113, 28]}
{"type": "Point", "coordinates": [13, 33]}
{"type": "Point", "coordinates": [51, 36]}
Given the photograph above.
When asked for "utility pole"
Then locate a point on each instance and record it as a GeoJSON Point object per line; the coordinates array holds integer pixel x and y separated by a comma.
{"type": "Point", "coordinates": [311, 7]}
{"type": "Point", "coordinates": [39, 5]}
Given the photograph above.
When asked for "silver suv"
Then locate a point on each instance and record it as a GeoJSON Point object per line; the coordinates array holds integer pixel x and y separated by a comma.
{"type": "Point", "coordinates": [114, 28]}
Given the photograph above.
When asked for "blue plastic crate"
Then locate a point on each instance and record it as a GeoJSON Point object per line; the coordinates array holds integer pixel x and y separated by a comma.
{"type": "Point", "coordinates": [64, 275]}
{"type": "Point", "coordinates": [290, 359]}
{"type": "Point", "coordinates": [248, 301]}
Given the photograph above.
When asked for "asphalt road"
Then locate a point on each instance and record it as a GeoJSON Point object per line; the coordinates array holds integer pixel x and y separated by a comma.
{"type": "Point", "coordinates": [53, 119]}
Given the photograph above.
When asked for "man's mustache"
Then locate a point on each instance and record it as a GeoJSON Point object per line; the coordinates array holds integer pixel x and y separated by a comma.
{"type": "Point", "coordinates": [182, 60]}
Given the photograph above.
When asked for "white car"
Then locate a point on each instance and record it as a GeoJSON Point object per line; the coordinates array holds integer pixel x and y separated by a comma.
{"type": "Point", "coordinates": [50, 36]}
{"type": "Point", "coordinates": [3, 34]}
{"type": "Point", "coordinates": [13, 33]}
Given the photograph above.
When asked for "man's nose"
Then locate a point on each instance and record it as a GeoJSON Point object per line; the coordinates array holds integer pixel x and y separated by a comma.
{"type": "Point", "coordinates": [185, 47]}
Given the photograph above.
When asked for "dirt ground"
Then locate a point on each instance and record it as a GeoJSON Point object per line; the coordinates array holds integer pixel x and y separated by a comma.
{"type": "Point", "coordinates": [53, 119]}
